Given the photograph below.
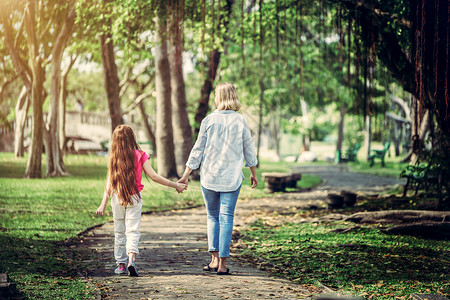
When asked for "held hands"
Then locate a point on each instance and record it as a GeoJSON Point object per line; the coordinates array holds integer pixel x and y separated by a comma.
{"type": "Point", "coordinates": [182, 182]}
{"type": "Point", "coordinates": [180, 187]}
{"type": "Point", "coordinates": [253, 181]}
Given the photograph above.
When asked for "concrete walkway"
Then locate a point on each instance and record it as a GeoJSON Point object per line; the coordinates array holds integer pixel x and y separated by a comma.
{"type": "Point", "coordinates": [173, 249]}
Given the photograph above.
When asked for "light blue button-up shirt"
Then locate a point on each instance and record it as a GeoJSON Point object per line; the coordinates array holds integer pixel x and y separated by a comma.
{"type": "Point", "coordinates": [224, 138]}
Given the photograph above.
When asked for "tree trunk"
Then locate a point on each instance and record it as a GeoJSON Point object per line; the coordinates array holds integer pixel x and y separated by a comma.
{"type": "Point", "coordinates": [164, 131]}
{"type": "Point", "coordinates": [62, 112]}
{"type": "Point", "coordinates": [423, 126]}
{"type": "Point", "coordinates": [148, 128]}
{"type": "Point", "coordinates": [340, 138]}
{"type": "Point", "coordinates": [368, 134]}
{"type": "Point", "coordinates": [305, 117]}
{"type": "Point", "coordinates": [33, 169]}
{"type": "Point", "coordinates": [207, 87]}
{"type": "Point", "coordinates": [22, 106]}
{"type": "Point", "coordinates": [397, 136]}
{"type": "Point", "coordinates": [111, 79]}
{"type": "Point", "coordinates": [62, 105]}
{"type": "Point", "coordinates": [214, 57]}
{"type": "Point", "coordinates": [276, 131]}
{"type": "Point", "coordinates": [55, 164]}
{"type": "Point", "coordinates": [182, 132]}
{"type": "Point", "coordinates": [260, 119]}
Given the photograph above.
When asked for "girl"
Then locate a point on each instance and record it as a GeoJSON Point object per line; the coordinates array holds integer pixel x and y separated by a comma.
{"type": "Point", "coordinates": [126, 162]}
{"type": "Point", "coordinates": [224, 138]}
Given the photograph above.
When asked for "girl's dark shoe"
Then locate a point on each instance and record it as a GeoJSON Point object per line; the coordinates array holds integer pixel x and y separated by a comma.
{"type": "Point", "coordinates": [132, 269]}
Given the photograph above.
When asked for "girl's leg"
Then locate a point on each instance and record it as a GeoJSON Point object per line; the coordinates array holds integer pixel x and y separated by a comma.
{"type": "Point", "coordinates": [119, 230]}
{"type": "Point", "coordinates": [212, 203]}
{"type": "Point", "coordinates": [227, 206]}
{"type": "Point", "coordinates": [132, 223]}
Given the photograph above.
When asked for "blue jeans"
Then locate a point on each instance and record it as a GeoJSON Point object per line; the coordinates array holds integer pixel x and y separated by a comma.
{"type": "Point", "coordinates": [220, 208]}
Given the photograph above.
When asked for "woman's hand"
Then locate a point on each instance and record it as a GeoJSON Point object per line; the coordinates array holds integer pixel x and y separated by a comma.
{"type": "Point", "coordinates": [183, 180]}
{"type": "Point", "coordinates": [253, 181]}
{"type": "Point", "coordinates": [101, 210]}
{"type": "Point", "coordinates": [180, 187]}
{"type": "Point", "coordinates": [253, 177]}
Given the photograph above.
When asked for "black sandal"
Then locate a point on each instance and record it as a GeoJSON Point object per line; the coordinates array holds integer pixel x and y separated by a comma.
{"type": "Point", "coordinates": [208, 268]}
{"type": "Point", "coordinates": [224, 273]}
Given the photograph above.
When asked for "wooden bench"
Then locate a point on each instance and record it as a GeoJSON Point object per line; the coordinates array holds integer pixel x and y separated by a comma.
{"type": "Point", "coordinates": [379, 154]}
{"type": "Point", "coordinates": [278, 182]}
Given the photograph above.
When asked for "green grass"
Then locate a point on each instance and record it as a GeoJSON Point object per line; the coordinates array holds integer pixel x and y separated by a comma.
{"type": "Point", "coordinates": [364, 262]}
{"type": "Point", "coordinates": [39, 215]}
{"type": "Point", "coordinates": [392, 169]}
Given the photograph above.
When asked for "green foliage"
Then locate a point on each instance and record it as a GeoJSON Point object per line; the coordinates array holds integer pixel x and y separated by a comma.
{"type": "Point", "coordinates": [41, 269]}
{"type": "Point", "coordinates": [363, 261]}
{"type": "Point", "coordinates": [89, 88]}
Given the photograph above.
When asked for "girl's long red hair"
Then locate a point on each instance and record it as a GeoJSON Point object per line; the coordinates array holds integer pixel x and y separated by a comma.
{"type": "Point", "coordinates": [121, 166]}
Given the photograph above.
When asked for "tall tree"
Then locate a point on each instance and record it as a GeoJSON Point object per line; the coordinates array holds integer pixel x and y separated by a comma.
{"type": "Point", "coordinates": [63, 102]}
{"type": "Point", "coordinates": [42, 30]}
{"type": "Point", "coordinates": [110, 71]}
{"type": "Point", "coordinates": [32, 74]}
{"type": "Point", "coordinates": [421, 28]}
{"type": "Point", "coordinates": [55, 164]}
{"type": "Point", "coordinates": [182, 132]}
{"type": "Point", "coordinates": [164, 130]}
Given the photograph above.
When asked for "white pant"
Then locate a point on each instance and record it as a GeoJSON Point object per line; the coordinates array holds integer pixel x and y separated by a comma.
{"type": "Point", "coordinates": [127, 220]}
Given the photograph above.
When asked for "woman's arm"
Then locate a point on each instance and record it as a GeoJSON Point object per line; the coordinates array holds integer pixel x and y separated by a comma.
{"type": "Point", "coordinates": [185, 178]}
{"type": "Point", "coordinates": [101, 209]}
{"type": "Point", "coordinates": [180, 187]}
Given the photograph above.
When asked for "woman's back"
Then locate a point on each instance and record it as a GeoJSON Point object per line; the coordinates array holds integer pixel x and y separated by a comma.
{"type": "Point", "coordinates": [225, 138]}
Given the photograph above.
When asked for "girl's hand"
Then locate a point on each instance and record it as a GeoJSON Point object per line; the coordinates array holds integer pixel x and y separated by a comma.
{"type": "Point", "coordinates": [101, 210]}
{"type": "Point", "coordinates": [253, 181]}
{"type": "Point", "coordinates": [180, 187]}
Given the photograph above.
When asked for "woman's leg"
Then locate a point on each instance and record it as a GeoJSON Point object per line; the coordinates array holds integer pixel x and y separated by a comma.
{"type": "Point", "coordinates": [227, 206]}
{"type": "Point", "coordinates": [212, 203]}
{"type": "Point", "coordinates": [119, 230]}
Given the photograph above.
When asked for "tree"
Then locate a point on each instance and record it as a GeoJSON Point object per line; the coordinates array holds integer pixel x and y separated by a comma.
{"type": "Point", "coordinates": [422, 27]}
{"type": "Point", "coordinates": [32, 75]}
{"type": "Point", "coordinates": [55, 164]}
{"type": "Point", "coordinates": [110, 72]}
{"type": "Point", "coordinates": [43, 30]}
{"type": "Point", "coordinates": [164, 129]}
{"type": "Point", "coordinates": [182, 132]}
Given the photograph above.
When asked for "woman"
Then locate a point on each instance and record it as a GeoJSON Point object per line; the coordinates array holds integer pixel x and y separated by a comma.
{"type": "Point", "coordinates": [223, 140]}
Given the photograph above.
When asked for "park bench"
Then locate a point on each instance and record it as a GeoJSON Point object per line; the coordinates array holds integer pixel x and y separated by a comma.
{"type": "Point", "coordinates": [419, 177]}
{"type": "Point", "coordinates": [379, 154]}
{"type": "Point", "coordinates": [278, 182]}
{"type": "Point", "coordinates": [351, 153]}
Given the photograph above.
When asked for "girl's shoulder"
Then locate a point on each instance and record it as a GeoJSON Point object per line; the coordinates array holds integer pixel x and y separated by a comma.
{"type": "Point", "coordinates": [140, 156]}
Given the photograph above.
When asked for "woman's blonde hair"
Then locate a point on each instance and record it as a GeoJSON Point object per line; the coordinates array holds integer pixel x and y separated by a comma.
{"type": "Point", "coordinates": [226, 97]}
{"type": "Point", "coordinates": [121, 166]}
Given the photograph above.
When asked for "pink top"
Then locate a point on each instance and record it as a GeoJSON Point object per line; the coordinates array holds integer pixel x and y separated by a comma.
{"type": "Point", "coordinates": [139, 159]}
